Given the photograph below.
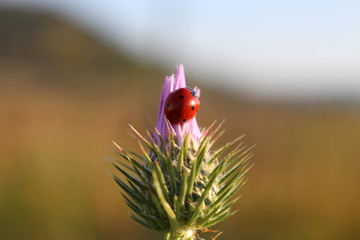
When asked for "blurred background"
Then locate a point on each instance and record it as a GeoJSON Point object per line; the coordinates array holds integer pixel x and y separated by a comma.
{"type": "Point", "coordinates": [74, 74]}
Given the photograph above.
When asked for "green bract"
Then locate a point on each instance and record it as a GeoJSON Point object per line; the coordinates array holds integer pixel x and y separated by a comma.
{"type": "Point", "coordinates": [184, 190]}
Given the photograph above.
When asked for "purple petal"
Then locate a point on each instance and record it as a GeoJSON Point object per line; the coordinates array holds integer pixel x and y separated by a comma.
{"type": "Point", "coordinates": [171, 84]}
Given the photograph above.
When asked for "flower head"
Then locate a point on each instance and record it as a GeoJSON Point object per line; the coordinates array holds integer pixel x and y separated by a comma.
{"type": "Point", "coordinates": [191, 127]}
{"type": "Point", "coordinates": [180, 185]}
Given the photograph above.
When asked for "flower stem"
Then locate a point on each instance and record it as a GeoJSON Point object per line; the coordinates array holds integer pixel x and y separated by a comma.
{"type": "Point", "coordinates": [181, 234]}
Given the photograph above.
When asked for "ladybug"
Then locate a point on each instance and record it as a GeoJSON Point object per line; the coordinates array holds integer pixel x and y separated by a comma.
{"type": "Point", "coordinates": [181, 105]}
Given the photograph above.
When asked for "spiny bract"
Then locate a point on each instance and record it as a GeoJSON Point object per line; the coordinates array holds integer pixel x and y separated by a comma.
{"type": "Point", "coordinates": [179, 185]}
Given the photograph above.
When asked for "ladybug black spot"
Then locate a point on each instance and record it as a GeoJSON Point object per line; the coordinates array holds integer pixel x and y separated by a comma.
{"type": "Point", "coordinates": [184, 120]}
{"type": "Point", "coordinates": [181, 96]}
{"type": "Point", "coordinates": [168, 105]}
{"type": "Point", "coordinates": [192, 107]}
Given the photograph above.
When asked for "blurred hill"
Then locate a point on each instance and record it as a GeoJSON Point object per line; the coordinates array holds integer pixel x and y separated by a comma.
{"type": "Point", "coordinates": [64, 94]}
{"type": "Point", "coordinates": [51, 51]}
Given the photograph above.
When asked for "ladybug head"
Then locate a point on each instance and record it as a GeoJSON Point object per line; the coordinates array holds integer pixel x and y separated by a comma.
{"type": "Point", "coordinates": [192, 91]}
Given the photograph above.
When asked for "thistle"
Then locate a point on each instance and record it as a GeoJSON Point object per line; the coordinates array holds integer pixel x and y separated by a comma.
{"type": "Point", "coordinates": [179, 185]}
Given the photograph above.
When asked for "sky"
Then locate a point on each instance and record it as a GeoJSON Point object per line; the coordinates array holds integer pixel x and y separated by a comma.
{"type": "Point", "coordinates": [279, 49]}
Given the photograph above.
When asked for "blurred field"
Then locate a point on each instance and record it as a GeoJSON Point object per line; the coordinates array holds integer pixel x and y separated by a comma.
{"type": "Point", "coordinates": [61, 106]}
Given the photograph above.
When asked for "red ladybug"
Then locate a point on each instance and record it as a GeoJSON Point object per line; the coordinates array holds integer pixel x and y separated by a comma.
{"type": "Point", "coordinates": [181, 105]}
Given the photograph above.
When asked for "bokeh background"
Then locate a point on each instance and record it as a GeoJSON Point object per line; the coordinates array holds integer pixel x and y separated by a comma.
{"type": "Point", "coordinates": [74, 74]}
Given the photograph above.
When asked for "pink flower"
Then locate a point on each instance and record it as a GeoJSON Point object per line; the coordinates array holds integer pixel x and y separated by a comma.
{"type": "Point", "coordinates": [191, 127]}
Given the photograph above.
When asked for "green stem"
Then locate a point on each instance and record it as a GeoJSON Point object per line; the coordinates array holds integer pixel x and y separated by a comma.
{"type": "Point", "coordinates": [180, 234]}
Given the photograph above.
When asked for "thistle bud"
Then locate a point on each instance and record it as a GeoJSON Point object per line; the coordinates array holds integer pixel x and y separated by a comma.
{"type": "Point", "coordinates": [179, 185]}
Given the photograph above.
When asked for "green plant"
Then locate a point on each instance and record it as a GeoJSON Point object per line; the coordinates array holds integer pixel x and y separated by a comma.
{"type": "Point", "coordinates": [179, 185]}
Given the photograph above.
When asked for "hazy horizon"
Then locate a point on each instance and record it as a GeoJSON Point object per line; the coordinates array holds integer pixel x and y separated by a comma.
{"type": "Point", "coordinates": [277, 50]}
